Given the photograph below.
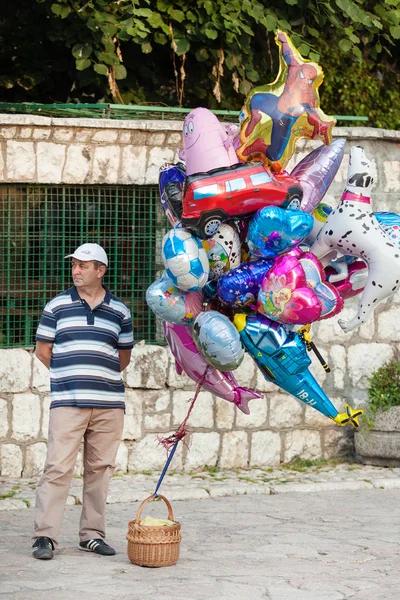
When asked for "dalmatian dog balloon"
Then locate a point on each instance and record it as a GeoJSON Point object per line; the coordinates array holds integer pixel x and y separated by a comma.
{"type": "Point", "coordinates": [352, 229]}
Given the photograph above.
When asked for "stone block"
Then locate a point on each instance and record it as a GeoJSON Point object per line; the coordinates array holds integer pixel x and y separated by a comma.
{"type": "Point", "coordinates": [15, 370]}
{"type": "Point", "coordinates": [125, 137]}
{"type": "Point", "coordinates": [83, 135]}
{"type": "Point", "coordinates": [3, 418]}
{"type": "Point", "coordinates": [365, 358]}
{"type": "Point", "coordinates": [155, 401]}
{"type": "Point", "coordinates": [40, 376]}
{"type": "Point", "coordinates": [204, 448]}
{"type": "Point", "coordinates": [133, 415]}
{"type": "Point", "coordinates": [21, 161]}
{"type": "Point", "coordinates": [77, 164]}
{"type": "Point", "coordinates": [337, 442]}
{"type": "Point", "coordinates": [2, 167]}
{"type": "Point", "coordinates": [337, 363]}
{"type": "Point", "coordinates": [156, 139]}
{"type": "Point", "coordinates": [174, 139]}
{"type": "Point", "coordinates": [263, 385]}
{"type": "Point", "coordinates": [225, 414]}
{"type": "Point", "coordinates": [235, 450]}
{"type": "Point", "coordinates": [391, 169]}
{"type": "Point", "coordinates": [35, 459]}
{"type": "Point", "coordinates": [160, 422]}
{"type": "Point", "coordinates": [378, 447]}
{"type": "Point", "coordinates": [25, 416]}
{"type": "Point", "coordinates": [148, 369]}
{"type": "Point", "coordinates": [106, 164]}
{"type": "Point", "coordinates": [25, 132]}
{"type": "Point", "coordinates": [157, 156]}
{"type": "Point", "coordinates": [387, 420]}
{"type": "Point", "coordinates": [50, 162]}
{"type": "Point", "coordinates": [148, 454]}
{"type": "Point", "coordinates": [257, 417]}
{"type": "Point", "coordinates": [316, 419]}
{"type": "Point", "coordinates": [303, 443]}
{"type": "Point", "coordinates": [203, 411]}
{"type": "Point", "coordinates": [105, 135]}
{"type": "Point", "coordinates": [284, 411]}
{"type": "Point", "coordinates": [45, 416]}
{"type": "Point", "coordinates": [389, 324]}
{"type": "Point", "coordinates": [245, 373]}
{"type": "Point", "coordinates": [121, 461]}
{"type": "Point", "coordinates": [329, 330]}
{"type": "Point", "coordinates": [173, 379]}
{"type": "Point", "coordinates": [133, 169]}
{"type": "Point", "coordinates": [265, 449]}
{"type": "Point", "coordinates": [62, 134]}
{"type": "Point", "coordinates": [41, 133]}
{"type": "Point", "coordinates": [8, 133]}
{"type": "Point", "coordinates": [10, 460]}
{"type": "Point", "coordinates": [316, 368]}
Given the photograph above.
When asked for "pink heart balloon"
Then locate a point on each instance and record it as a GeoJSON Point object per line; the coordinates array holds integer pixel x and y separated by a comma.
{"type": "Point", "coordinates": [294, 291]}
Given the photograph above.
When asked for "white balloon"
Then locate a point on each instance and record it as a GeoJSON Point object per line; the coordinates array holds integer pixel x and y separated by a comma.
{"type": "Point", "coordinates": [352, 229]}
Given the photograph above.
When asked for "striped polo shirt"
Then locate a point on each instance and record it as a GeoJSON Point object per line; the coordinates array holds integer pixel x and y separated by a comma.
{"type": "Point", "coordinates": [84, 367]}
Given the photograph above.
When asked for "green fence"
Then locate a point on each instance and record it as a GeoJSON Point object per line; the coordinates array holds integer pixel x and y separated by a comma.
{"type": "Point", "coordinates": [40, 224]}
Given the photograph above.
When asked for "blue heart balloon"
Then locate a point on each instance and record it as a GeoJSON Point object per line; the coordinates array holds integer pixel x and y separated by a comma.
{"type": "Point", "coordinates": [273, 231]}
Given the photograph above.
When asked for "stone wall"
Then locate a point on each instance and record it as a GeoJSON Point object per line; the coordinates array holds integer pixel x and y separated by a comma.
{"type": "Point", "coordinates": [83, 151]}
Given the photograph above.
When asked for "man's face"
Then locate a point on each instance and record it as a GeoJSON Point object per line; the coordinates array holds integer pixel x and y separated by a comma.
{"type": "Point", "coordinates": [84, 273]}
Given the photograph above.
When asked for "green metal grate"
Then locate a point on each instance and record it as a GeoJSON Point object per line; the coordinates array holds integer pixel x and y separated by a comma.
{"type": "Point", "coordinates": [40, 224]}
{"type": "Point", "coordinates": [126, 111]}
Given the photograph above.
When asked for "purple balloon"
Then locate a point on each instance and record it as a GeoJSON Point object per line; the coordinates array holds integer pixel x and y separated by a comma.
{"type": "Point", "coordinates": [192, 362]}
{"type": "Point", "coordinates": [240, 286]}
{"type": "Point", "coordinates": [316, 172]}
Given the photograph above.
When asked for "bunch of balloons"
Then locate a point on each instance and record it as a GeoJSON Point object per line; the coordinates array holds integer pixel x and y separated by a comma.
{"type": "Point", "coordinates": [254, 256]}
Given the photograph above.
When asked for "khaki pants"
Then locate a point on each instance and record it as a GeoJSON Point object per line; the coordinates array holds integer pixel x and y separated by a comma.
{"type": "Point", "coordinates": [101, 429]}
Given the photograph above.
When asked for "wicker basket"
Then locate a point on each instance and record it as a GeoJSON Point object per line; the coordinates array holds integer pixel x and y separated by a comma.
{"type": "Point", "coordinates": [154, 546]}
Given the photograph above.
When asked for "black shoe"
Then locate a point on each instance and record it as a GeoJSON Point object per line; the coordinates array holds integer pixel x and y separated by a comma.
{"type": "Point", "coordinates": [43, 548]}
{"type": "Point", "coordinates": [98, 546]}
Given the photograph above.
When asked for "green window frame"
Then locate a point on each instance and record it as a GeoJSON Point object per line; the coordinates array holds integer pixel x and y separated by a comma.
{"type": "Point", "coordinates": [40, 224]}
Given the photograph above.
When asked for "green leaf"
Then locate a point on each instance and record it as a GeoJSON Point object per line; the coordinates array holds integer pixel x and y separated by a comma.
{"type": "Point", "coordinates": [60, 10]}
{"type": "Point", "coordinates": [155, 20]}
{"type": "Point", "coordinates": [81, 50]}
{"type": "Point", "coordinates": [211, 33]}
{"type": "Point", "coordinates": [160, 38]}
{"type": "Point", "coordinates": [83, 63]}
{"type": "Point", "coordinates": [291, 2]}
{"type": "Point", "coordinates": [345, 45]}
{"type": "Point", "coordinates": [108, 59]}
{"type": "Point", "coordinates": [100, 69]}
{"type": "Point", "coordinates": [143, 12]}
{"type": "Point", "coordinates": [304, 49]}
{"type": "Point", "coordinates": [244, 87]}
{"type": "Point", "coordinates": [177, 15]}
{"type": "Point", "coordinates": [313, 32]}
{"type": "Point", "coordinates": [146, 48]}
{"type": "Point", "coordinates": [202, 54]}
{"type": "Point", "coordinates": [315, 56]}
{"type": "Point", "coordinates": [208, 7]}
{"type": "Point", "coordinates": [162, 5]}
{"type": "Point", "coordinates": [182, 46]}
{"type": "Point", "coordinates": [253, 75]}
{"type": "Point", "coordinates": [191, 16]}
{"type": "Point", "coordinates": [284, 25]}
{"type": "Point", "coordinates": [395, 31]}
{"type": "Point", "coordinates": [120, 72]}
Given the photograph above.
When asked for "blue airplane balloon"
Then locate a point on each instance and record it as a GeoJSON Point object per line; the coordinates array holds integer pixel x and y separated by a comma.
{"type": "Point", "coordinates": [282, 358]}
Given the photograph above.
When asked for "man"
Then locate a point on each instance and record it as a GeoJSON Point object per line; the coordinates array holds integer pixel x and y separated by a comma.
{"type": "Point", "coordinates": [85, 339]}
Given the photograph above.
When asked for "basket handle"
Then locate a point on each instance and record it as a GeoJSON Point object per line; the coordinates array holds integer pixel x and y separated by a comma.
{"type": "Point", "coordinates": [149, 499]}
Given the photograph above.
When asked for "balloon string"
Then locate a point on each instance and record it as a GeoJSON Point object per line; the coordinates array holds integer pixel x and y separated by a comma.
{"type": "Point", "coordinates": [183, 430]}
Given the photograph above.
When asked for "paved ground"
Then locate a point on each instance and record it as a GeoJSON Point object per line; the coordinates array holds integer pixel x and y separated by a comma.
{"type": "Point", "coordinates": [339, 544]}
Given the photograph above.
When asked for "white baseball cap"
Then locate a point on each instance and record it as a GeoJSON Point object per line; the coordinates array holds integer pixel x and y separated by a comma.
{"type": "Point", "coordinates": [90, 252]}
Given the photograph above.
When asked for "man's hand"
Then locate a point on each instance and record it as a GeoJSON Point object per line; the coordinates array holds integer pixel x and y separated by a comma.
{"type": "Point", "coordinates": [124, 359]}
{"type": "Point", "coordinates": [43, 352]}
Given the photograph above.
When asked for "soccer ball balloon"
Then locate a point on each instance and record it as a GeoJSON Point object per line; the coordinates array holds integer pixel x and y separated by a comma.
{"type": "Point", "coordinates": [185, 260]}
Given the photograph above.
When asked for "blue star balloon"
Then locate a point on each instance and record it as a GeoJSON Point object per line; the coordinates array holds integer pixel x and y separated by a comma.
{"type": "Point", "coordinates": [273, 231]}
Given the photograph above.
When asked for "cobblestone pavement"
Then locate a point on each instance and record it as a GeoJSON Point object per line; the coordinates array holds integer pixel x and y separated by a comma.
{"type": "Point", "coordinates": [336, 545]}
{"type": "Point", "coordinates": [298, 476]}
